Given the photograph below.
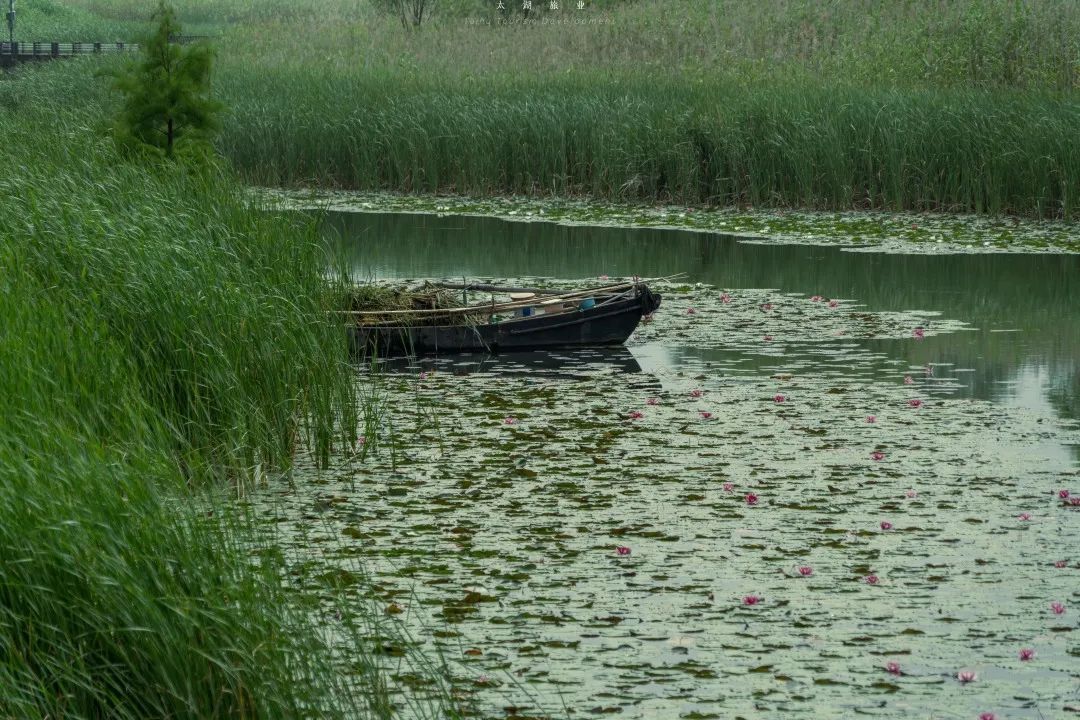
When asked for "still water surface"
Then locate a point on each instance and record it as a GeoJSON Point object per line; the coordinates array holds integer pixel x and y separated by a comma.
{"type": "Point", "coordinates": [932, 537]}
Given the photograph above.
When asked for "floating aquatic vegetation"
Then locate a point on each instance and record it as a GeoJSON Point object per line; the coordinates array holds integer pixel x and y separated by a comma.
{"type": "Point", "coordinates": [932, 233]}
{"type": "Point", "coordinates": [533, 514]}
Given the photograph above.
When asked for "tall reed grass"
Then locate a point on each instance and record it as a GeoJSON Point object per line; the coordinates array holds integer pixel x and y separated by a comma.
{"type": "Point", "coordinates": [157, 333]}
{"type": "Point", "coordinates": [963, 106]}
{"type": "Point", "coordinates": [719, 143]}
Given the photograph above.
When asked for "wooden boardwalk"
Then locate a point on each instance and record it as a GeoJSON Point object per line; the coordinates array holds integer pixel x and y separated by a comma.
{"type": "Point", "coordinates": [17, 52]}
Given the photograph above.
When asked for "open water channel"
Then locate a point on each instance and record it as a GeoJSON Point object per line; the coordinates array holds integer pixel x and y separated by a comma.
{"type": "Point", "coordinates": [848, 491]}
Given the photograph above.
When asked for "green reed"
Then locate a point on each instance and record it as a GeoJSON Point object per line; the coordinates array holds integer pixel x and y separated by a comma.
{"type": "Point", "coordinates": [724, 143]}
{"type": "Point", "coordinates": [161, 342]}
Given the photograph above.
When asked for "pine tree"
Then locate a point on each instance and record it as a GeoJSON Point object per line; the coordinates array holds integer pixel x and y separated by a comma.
{"type": "Point", "coordinates": [165, 93]}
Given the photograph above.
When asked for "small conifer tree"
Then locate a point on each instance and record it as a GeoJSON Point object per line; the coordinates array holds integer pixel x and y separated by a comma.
{"type": "Point", "coordinates": [166, 106]}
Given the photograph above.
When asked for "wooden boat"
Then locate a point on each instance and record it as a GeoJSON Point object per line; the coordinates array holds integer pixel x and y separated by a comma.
{"type": "Point", "coordinates": [534, 319]}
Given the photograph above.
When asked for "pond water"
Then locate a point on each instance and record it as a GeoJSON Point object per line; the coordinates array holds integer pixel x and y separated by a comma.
{"type": "Point", "coordinates": [773, 492]}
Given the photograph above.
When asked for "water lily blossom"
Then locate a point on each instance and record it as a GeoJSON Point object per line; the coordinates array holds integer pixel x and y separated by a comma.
{"type": "Point", "coordinates": [893, 668]}
{"type": "Point", "coordinates": [915, 402]}
{"type": "Point", "coordinates": [1057, 608]}
{"type": "Point", "coordinates": [967, 676]}
{"type": "Point", "coordinates": [691, 311]}
{"type": "Point", "coordinates": [1027, 654]}
{"type": "Point", "coordinates": [729, 487]}
{"type": "Point", "coordinates": [696, 393]}
{"type": "Point", "coordinates": [816, 298]}
{"type": "Point", "coordinates": [636, 415]}
{"type": "Point", "coordinates": [833, 303]}
{"type": "Point", "coordinates": [1063, 494]}
{"type": "Point", "coordinates": [871, 419]}
{"type": "Point", "coordinates": [886, 525]}
{"type": "Point", "coordinates": [806, 570]}
{"type": "Point", "coordinates": [911, 493]}
{"type": "Point", "coordinates": [768, 338]}
{"type": "Point", "coordinates": [1060, 563]}
{"type": "Point", "coordinates": [1024, 516]}
{"type": "Point", "coordinates": [705, 415]}
{"type": "Point", "coordinates": [766, 307]}
{"type": "Point", "coordinates": [622, 550]}
{"type": "Point", "coordinates": [652, 401]}
{"type": "Point", "coordinates": [918, 333]}
{"type": "Point", "coordinates": [872, 579]}
{"type": "Point", "coordinates": [510, 420]}
{"type": "Point", "coordinates": [987, 716]}
{"type": "Point", "coordinates": [751, 499]}
{"type": "Point", "coordinates": [908, 380]}
{"type": "Point", "coordinates": [779, 398]}
{"type": "Point", "coordinates": [752, 600]}
{"type": "Point", "coordinates": [877, 455]}
{"type": "Point", "coordinates": [725, 298]}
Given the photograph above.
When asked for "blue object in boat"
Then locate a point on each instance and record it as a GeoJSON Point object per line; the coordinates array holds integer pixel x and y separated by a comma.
{"type": "Point", "coordinates": [527, 311]}
{"type": "Point", "coordinates": [587, 303]}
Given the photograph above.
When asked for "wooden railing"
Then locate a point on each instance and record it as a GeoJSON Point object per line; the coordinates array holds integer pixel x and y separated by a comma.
{"type": "Point", "coordinates": [28, 50]}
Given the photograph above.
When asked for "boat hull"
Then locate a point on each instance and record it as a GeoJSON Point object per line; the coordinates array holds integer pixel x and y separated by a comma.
{"type": "Point", "coordinates": [608, 323]}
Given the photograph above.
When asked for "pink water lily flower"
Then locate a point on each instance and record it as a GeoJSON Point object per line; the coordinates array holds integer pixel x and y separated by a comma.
{"type": "Point", "coordinates": [1060, 563]}
{"type": "Point", "coordinates": [871, 419]}
{"type": "Point", "coordinates": [652, 401]}
{"type": "Point", "coordinates": [751, 499]}
{"type": "Point", "coordinates": [752, 600]}
{"type": "Point", "coordinates": [911, 493]}
{"type": "Point", "coordinates": [987, 716]}
{"type": "Point", "coordinates": [691, 311]}
{"type": "Point", "coordinates": [1063, 494]}
{"type": "Point", "coordinates": [1027, 654]}
{"type": "Point", "coordinates": [705, 415]}
{"type": "Point", "coordinates": [919, 333]}
{"type": "Point", "coordinates": [872, 579]}
{"type": "Point", "coordinates": [1057, 608]}
{"type": "Point", "coordinates": [967, 676]}
{"type": "Point", "coordinates": [725, 298]}
{"type": "Point", "coordinates": [696, 393]}
{"type": "Point", "coordinates": [1024, 516]}
{"type": "Point", "coordinates": [816, 298]}
{"type": "Point", "coordinates": [622, 549]}
{"type": "Point", "coordinates": [603, 277]}
{"type": "Point", "coordinates": [766, 307]}
{"type": "Point", "coordinates": [877, 455]}
{"type": "Point", "coordinates": [636, 415]}
{"type": "Point", "coordinates": [361, 439]}
{"type": "Point", "coordinates": [729, 487]}
{"type": "Point", "coordinates": [886, 525]}
{"type": "Point", "coordinates": [510, 420]}
{"type": "Point", "coordinates": [915, 402]}
{"type": "Point", "coordinates": [1074, 500]}
{"type": "Point", "coordinates": [768, 338]}
{"type": "Point", "coordinates": [893, 668]}
{"type": "Point", "coordinates": [928, 369]}
{"type": "Point", "coordinates": [833, 303]}
{"type": "Point", "coordinates": [908, 380]}
{"type": "Point", "coordinates": [779, 398]}
{"type": "Point", "coordinates": [424, 375]}
{"type": "Point", "coordinates": [806, 570]}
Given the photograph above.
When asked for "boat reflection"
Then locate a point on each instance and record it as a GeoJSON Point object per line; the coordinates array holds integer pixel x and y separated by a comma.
{"type": "Point", "coordinates": [570, 362]}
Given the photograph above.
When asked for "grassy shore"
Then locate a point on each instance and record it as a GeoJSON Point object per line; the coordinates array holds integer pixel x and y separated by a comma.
{"type": "Point", "coordinates": [970, 107]}
{"type": "Point", "coordinates": [162, 342]}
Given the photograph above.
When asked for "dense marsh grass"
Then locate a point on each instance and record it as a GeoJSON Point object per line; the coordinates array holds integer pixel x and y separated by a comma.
{"type": "Point", "coordinates": [967, 106]}
{"type": "Point", "coordinates": [723, 143]}
{"type": "Point", "coordinates": [157, 334]}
